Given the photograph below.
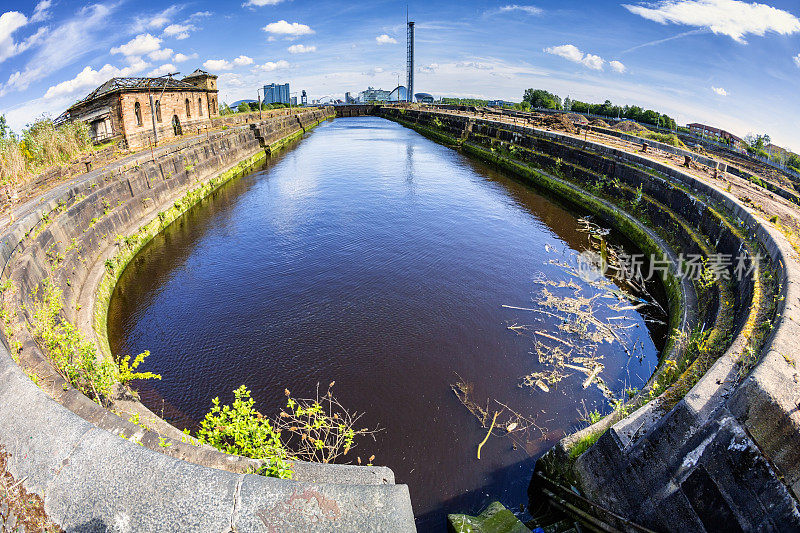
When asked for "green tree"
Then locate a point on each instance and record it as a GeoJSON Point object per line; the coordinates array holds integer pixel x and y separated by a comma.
{"type": "Point", "coordinates": [5, 131]}
{"type": "Point", "coordinates": [243, 108]}
{"type": "Point", "coordinates": [541, 98]}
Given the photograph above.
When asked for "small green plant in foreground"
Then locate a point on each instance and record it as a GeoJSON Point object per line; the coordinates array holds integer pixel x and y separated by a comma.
{"type": "Point", "coordinates": [317, 429]}
{"type": "Point", "coordinates": [241, 430]}
{"type": "Point", "coordinates": [74, 356]}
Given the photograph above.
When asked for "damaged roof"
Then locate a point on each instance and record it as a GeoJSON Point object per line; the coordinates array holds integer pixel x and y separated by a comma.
{"type": "Point", "coordinates": [123, 84]}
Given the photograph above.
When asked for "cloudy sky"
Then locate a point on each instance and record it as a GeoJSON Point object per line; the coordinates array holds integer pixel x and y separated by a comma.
{"type": "Point", "coordinates": [729, 63]}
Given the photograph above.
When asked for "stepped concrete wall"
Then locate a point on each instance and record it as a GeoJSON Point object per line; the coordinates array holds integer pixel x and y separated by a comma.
{"type": "Point", "coordinates": [97, 471]}
{"type": "Point", "coordinates": [723, 456]}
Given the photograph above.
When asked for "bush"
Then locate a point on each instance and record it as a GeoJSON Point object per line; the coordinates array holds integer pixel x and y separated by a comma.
{"type": "Point", "coordinates": [241, 430]}
{"type": "Point", "coordinates": [74, 356]}
{"type": "Point", "coordinates": [317, 429]}
{"type": "Point", "coordinates": [666, 138]}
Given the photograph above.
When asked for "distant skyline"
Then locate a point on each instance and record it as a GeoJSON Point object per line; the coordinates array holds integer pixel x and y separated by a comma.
{"type": "Point", "coordinates": [727, 63]}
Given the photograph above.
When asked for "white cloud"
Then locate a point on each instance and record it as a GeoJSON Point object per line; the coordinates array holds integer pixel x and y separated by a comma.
{"type": "Point", "coordinates": [217, 64]}
{"type": "Point", "coordinates": [155, 22]}
{"type": "Point", "coordinates": [288, 30]}
{"type": "Point", "coordinates": [719, 91]}
{"type": "Point", "coordinates": [301, 49]}
{"type": "Point", "coordinates": [41, 13]}
{"type": "Point", "coordinates": [139, 45]}
{"type": "Point", "coordinates": [797, 60]}
{"type": "Point", "coordinates": [222, 64]}
{"type": "Point", "coordinates": [473, 65]}
{"type": "Point", "coordinates": [10, 22]}
{"type": "Point", "coordinates": [163, 69]}
{"type": "Point", "coordinates": [89, 78]}
{"type": "Point", "coordinates": [593, 62]}
{"type": "Point", "coordinates": [61, 46]}
{"type": "Point", "coordinates": [385, 39]}
{"type": "Point", "coordinates": [530, 10]}
{"type": "Point", "coordinates": [180, 58]}
{"type": "Point", "coordinates": [160, 55]}
{"type": "Point", "coordinates": [567, 51]}
{"type": "Point", "coordinates": [179, 31]}
{"type": "Point", "coordinates": [733, 18]}
{"type": "Point", "coordinates": [617, 66]}
{"type": "Point", "coordinates": [574, 54]}
{"type": "Point", "coordinates": [433, 67]}
{"type": "Point", "coordinates": [269, 66]}
{"type": "Point", "coordinates": [261, 3]}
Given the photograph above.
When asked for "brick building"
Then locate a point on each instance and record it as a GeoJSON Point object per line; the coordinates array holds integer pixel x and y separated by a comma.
{"type": "Point", "coordinates": [717, 134]}
{"type": "Point", "coordinates": [121, 108]}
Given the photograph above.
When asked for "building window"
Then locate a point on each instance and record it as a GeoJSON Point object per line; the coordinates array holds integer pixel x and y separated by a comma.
{"type": "Point", "coordinates": [137, 110]}
{"type": "Point", "coordinates": [158, 110]}
{"type": "Point", "coordinates": [200, 106]}
{"type": "Point", "coordinates": [188, 108]}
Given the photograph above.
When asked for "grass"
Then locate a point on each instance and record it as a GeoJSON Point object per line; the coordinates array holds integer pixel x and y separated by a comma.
{"type": "Point", "coordinates": [665, 138]}
{"type": "Point", "coordinates": [42, 145]}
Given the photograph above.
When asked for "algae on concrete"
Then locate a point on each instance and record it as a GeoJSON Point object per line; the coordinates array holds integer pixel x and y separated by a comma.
{"type": "Point", "coordinates": [494, 519]}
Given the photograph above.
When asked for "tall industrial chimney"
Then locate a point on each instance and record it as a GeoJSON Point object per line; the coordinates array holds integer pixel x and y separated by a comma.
{"type": "Point", "coordinates": [410, 81]}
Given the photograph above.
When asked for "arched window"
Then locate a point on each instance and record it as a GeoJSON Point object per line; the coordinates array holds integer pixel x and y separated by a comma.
{"type": "Point", "coordinates": [200, 106]}
{"type": "Point", "coordinates": [137, 110]}
{"type": "Point", "coordinates": [158, 110]}
{"type": "Point", "coordinates": [188, 108]}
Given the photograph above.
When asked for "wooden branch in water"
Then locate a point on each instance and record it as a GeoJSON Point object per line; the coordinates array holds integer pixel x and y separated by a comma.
{"type": "Point", "coordinates": [494, 419]}
{"type": "Point", "coordinates": [592, 376]}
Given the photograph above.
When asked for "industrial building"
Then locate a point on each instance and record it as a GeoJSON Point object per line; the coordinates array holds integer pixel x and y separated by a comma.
{"type": "Point", "coordinates": [399, 94]}
{"type": "Point", "coordinates": [373, 95]}
{"type": "Point", "coordinates": [276, 94]}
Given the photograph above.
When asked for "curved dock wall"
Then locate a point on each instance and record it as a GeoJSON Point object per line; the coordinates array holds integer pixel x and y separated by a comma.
{"type": "Point", "coordinates": [89, 478]}
{"type": "Point", "coordinates": [727, 453]}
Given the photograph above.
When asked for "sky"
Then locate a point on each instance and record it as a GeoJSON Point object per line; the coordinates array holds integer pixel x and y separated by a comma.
{"type": "Point", "coordinates": [727, 63]}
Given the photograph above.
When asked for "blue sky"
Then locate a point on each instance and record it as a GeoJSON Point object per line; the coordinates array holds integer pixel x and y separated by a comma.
{"type": "Point", "coordinates": [728, 63]}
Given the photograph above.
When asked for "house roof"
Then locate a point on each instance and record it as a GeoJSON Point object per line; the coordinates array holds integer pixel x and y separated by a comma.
{"type": "Point", "coordinates": [128, 84]}
{"type": "Point", "coordinates": [199, 73]}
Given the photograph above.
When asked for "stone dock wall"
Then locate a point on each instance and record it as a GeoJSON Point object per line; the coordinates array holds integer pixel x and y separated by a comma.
{"type": "Point", "coordinates": [717, 451]}
{"type": "Point", "coordinates": [98, 471]}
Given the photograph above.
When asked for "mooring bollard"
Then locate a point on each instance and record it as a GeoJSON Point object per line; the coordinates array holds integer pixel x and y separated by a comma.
{"type": "Point", "coordinates": [644, 148]}
{"type": "Point", "coordinates": [687, 160]}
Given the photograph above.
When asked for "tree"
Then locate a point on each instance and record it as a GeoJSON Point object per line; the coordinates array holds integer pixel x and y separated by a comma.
{"type": "Point", "coordinates": [757, 143]}
{"type": "Point", "coordinates": [542, 98]}
{"type": "Point", "coordinates": [5, 131]}
{"type": "Point", "coordinates": [567, 104]}
{"type": "Point", "coordinates": [243, 108]}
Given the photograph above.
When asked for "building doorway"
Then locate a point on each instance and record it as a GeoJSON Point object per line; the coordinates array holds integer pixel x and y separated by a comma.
{"type": "Point", "coordinates": [176, 126]}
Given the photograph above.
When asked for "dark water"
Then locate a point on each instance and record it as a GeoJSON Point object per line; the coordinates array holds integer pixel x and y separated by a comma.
{"type": "Point", "coordinates": [371, 256]}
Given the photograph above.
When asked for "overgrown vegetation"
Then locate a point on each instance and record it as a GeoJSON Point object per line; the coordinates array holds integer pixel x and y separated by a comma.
{"type": "Point", "coordinates": [239, 429]}
{"type": "Point", "coordinates": [74, 356]}
{"type": "Point", "coordinates": [544, 99]}
{"type": "Point", "coordinates": [315, 429]}
{"type": "Point", "coordinates": [666, 138]}
{"type": "Point", "coordinates": [42, 145]}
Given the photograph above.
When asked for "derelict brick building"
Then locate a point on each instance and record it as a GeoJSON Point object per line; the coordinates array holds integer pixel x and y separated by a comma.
{"type": "Point", "coordinates": [120, 108]}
